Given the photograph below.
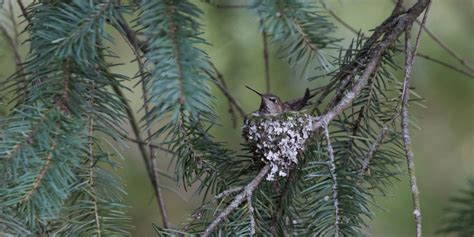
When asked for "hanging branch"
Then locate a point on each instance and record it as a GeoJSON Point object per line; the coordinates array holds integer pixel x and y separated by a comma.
{"type": "Point", "coordinates": [410, 53]}
{"type": "Point", "coordinates": [153, 166]}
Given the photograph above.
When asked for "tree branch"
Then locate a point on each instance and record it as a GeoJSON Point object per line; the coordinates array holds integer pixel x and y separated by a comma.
{"type": "Point", "coordinates": [248, 191]}
{"type": "Point", "coordinates": [445, 46]}
{"type": "Point", "coordinates": [421, 55]}
{"type": "Point", "coordinates": [218, 78]}
{"type": "Point", "coordinates": [409, 61]}
{"type": "Point", "coordinates": [152, 164]}
{"type": "Point", "coordinates": [335, 197]}
{"type": "Point", "coordinates": [395, 25]}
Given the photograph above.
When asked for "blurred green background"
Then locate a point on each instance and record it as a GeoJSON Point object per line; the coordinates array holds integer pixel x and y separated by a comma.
{"type": "Point", "coordinates": [443, 146]}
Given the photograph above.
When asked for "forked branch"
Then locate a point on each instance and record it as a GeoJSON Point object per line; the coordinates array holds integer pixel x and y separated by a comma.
{"type": "Point", "coordinates": [391, 29]}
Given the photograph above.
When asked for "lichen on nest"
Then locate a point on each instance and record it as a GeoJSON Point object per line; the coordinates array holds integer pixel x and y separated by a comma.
{"type": "Point", "coordinates": [278, 139]}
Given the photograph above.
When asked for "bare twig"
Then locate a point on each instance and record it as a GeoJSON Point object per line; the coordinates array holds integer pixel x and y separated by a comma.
{"type": "Point", "coordinates": [450, 66]}
{"type": "Point", "coordinates": [409, 60]}
{"type": "Point", "coordinates": [265, 57]}
{"type": "Point", "coordinates": [233, 102]}
{"type": "Point", "coordinates": [227, 193]}
{"type": "Point", "coordinates": [248, 191]}
{"type": "Point", "coordinates": [445, 46]}
{"type": "Point", "coordinates": [253, 224]}
{"type": "Point", "coordinates": [421, 55]}
{"type": "Point", "coordinates": [378, 141]}
{"type": "Point", "coordinates": [335, 197]}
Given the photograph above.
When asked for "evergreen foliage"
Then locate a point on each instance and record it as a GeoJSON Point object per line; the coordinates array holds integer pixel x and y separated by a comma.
{"type": "Point", "coordinates": [458, 218]}
{"type": "Point", "coordinates": [55, 176]}
{"type": "Point", "coordinates": [51, 162]}
{"type": "Point", "coordinates": [301, 30]}
{"type": "Point", "coordinates": [178, 84]}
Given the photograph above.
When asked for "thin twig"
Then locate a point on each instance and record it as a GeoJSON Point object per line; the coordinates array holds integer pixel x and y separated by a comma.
{"type": "Point", "coordinates": [421, 55]}
{"type": "Point", "coordinates": [24, 12]}
{"type": "Point", "coordinates": [218, 78]}
{"type": "Point", "coordinates": [410, 52]}
{"type": "Point", "coordinates": [227, 193]}
{"type": "Point", "coordinates": [152, 164]}
{"type": "Point", "coordinates": [429, 58]}
{"type": "Point", "coordinates": [139, 141]}
{"type": "Point", "coordinates": [376, 144]}
{"type": "Point", "coordinates": [253, 224]}
{"type": "Point", "coordinates": [248, 191]}
{"type": "Point", "coordinates": [445, 46]}
{"type": "Point", "coordinates": [265, 57]}
{"type": "Point", "coordinates": [335, 197]}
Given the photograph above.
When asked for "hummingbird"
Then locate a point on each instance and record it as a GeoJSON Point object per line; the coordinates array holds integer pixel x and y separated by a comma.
{"type": "Point", "coordinates": [272, 104]}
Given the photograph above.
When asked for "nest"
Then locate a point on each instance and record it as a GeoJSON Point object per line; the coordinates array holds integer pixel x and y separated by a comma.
{"type": "Point", "coordinates": [278, 139]}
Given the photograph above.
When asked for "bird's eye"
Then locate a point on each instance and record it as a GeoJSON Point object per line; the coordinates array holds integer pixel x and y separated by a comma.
{"type": "Point", "coordinates": [272, 99]}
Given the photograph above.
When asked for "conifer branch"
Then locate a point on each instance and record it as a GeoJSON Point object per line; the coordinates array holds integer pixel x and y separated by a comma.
{"type": "Point", "coordinates": [152, 153]}
{"type": "Point", "coordinates": [393, 27]}
{"type": "Point", "coordinates": [227, 193]}
{"type": "Point", "coordinates": [248, 191]}
{"type": "Point", "coordinates": [218, 78]}
{"type": "Point", "coordinates": [150, 167]}
{"type": "Point", "coordinates": [410, 52]}
{"type": "Point", "coordinates": [40, 176]}
{"type": "Point", "coordinates": [251, 215]}
{"type": "Point", "coordinates": [131, 39]}
{"type": "Point", "coordinates": [335, 197]}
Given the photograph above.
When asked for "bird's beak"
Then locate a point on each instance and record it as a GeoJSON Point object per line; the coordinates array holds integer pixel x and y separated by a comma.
{"type": "Point", "coordinates": [250, 88]}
